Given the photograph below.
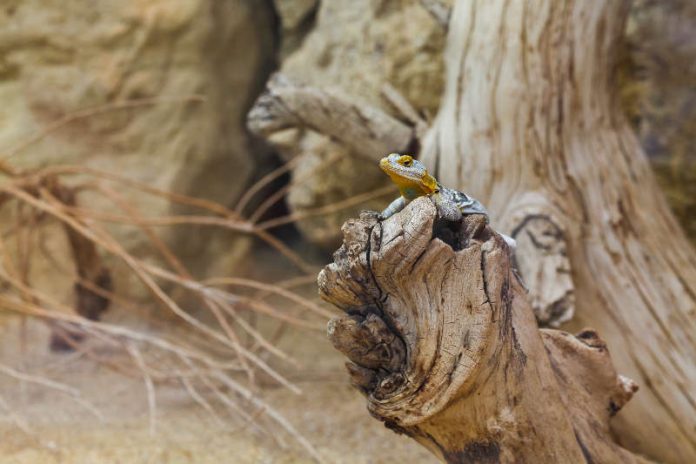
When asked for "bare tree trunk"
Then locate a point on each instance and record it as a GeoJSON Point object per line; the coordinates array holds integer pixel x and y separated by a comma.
{"type": "Point", "coordinates": [445, 346]}
{"type": "Point", "coordinates": [530, 126]}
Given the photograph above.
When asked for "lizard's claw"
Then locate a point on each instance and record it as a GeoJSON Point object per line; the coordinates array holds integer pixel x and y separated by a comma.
{"type": "Point", "coordinates": [366, 213]}
{"type": "Point", "coordinates": [447, 209]}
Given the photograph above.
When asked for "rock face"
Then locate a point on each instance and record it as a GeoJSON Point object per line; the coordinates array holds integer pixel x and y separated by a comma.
{"type": "Point", "coordinates": [658, 80]}
{"type": "Point", "coordinates": [296, 20]}
{"type": "Point", "coordinates": [354, 49]}
{"type": "Point", "coordinates": [60, 57]}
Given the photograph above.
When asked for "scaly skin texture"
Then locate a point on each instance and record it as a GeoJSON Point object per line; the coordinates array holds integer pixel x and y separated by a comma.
{"type": "Point", "coordinates": [414, 181]}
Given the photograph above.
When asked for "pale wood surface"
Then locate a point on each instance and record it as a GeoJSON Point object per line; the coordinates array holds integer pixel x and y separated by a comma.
{"type": "Point", "coordinates": [444, 344]}
{"type": "Point", "coordinates": [529, 125]}
{"type": "Point", "coordinates": [366, 130]}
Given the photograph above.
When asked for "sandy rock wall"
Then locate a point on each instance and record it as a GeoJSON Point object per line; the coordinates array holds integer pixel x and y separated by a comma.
{"type": "Point", "coordinates": [59, 57]}
{"type": "Point", "coordinates": [296, 19]}
{"type": "Point", "coordinates": [658, 84]}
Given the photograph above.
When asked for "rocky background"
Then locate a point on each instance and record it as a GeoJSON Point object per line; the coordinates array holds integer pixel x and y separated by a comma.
{"type": "Point", "coordinates": [192, 68]}
{"type": "Point", "coordinates": [658, 83]}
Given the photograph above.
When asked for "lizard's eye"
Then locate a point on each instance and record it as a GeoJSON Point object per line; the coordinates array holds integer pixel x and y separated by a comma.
{"type": "Point", "coordinates": [406, 161]}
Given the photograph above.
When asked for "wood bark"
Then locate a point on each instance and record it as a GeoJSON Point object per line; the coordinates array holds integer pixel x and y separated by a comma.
{"type": "Point", "coordinates": [366, 130]}
{"type": "Point", "coordinates": [529, 125]}
{"type": "Point", "coordinates": [444, 344]}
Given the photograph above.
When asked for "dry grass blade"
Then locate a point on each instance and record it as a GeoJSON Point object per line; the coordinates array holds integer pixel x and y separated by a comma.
{"type": "Point", "coordinates": [211, 362]}
{"type": "Point", "coordinates": [60, 313]}
{"type": "Point", "coordinates": [200, 203]}
{"type": "Point", "coordinates": [326, 209]}
{"type": "Point", "coordinates": [137, 267]}
{"type": "Point", "coordinates": [149, 386]}
{"type": "Point", "coordinates": [199, 399]}
{"type": "Point", "coordinates": [53, 385]}
{"type": "Point", "coordinates": [256, 335]}
{"type": "Point", "coordinates": [136, 217]}
{"type": "Point", "coordinates": [16, 419]}
{"type": "Point", "coordinates": [229, 220]}
{"type": "Point", "coordinates": [315, 308]}
{"type": "Point", "coordinates": [272, 413]}
{"type": "Point", "coordinates": [89, 112]}
{"type": "Point", "coordinates": [280, 193]}
{"type": "Point", "coordinates": [228, 401]}
{"type": "Point", "coordinates": [182, 353]}
{"type": "Point", "coordinates": [263, 182]}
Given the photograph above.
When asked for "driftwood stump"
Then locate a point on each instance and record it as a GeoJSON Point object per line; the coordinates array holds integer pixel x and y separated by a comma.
{"type": "Point", "coordinates": [443, 343]}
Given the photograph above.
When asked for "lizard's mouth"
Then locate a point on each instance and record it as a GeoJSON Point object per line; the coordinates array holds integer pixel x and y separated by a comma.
{"type": "Point", "coordinates": [385, 165]}
{"type": "Point", "coordinates": [392, 168]}
{"type": "Point", "coordinates": [399, 175]}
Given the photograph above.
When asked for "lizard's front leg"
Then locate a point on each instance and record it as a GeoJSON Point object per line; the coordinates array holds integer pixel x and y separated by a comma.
{"type": "Point", "coordinates": [393, 208]}
{"type": "Point", "coordinates": [446, 208]}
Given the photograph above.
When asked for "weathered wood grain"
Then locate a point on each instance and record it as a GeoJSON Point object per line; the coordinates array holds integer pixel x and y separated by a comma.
{"type": "Point", "coordinates": [443, 343]}
{"type": "Point", "coordinates": [366, 130]}
{"type": "Point", "coordinates": [530, 125]}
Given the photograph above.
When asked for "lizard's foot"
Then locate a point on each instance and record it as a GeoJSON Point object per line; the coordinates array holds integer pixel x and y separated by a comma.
{"type": "Point", "coordinates": [447, 209]}
{"type": "Point", "coordinates": [366, 213]}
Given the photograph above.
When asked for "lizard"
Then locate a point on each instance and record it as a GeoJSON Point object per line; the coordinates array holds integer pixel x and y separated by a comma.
{"type": "Point", "coordinates": [414, 181]}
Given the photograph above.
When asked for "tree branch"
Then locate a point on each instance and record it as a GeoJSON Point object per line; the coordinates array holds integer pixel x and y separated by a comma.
{"type": "Point", "coordinates": [366, 130]}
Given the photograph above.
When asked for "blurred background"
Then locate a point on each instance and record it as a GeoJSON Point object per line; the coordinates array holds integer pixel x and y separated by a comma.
{"type": "Point", "coordinates": [158, 299]}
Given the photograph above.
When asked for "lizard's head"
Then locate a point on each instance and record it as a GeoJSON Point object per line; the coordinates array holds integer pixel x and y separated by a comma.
{"type": "Point", "coordinates": [409, 175]}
